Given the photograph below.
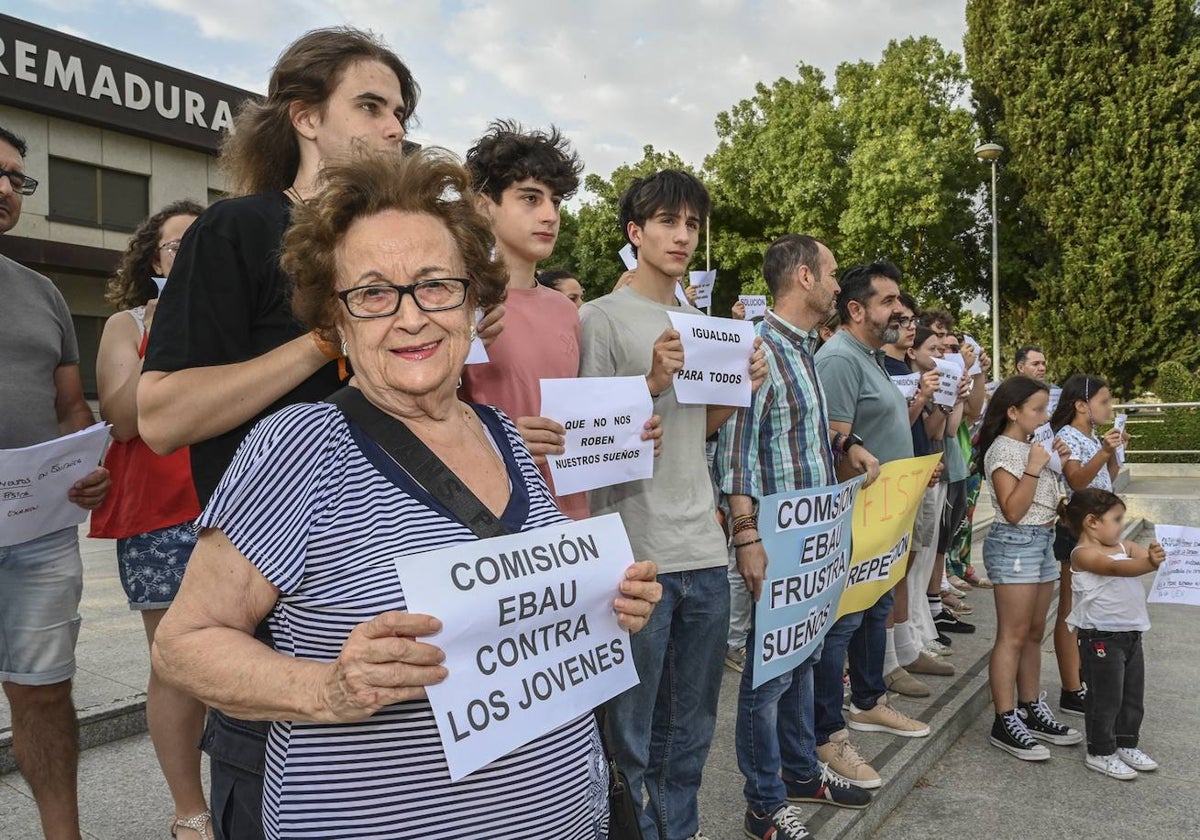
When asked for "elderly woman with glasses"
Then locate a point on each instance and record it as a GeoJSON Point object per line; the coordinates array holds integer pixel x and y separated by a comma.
{"type": "Point", "coordinates": [389, 263]}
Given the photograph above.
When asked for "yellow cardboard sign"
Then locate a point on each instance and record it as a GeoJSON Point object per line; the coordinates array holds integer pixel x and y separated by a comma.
{"type": "Point", "coordinates": [882, 530]}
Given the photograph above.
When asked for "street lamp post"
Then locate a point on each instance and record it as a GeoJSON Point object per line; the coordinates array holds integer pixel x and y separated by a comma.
{"type": "Point", "coordinates": [988, 153]}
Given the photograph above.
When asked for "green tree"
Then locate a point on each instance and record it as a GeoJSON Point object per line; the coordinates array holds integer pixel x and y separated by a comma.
{"type": "Point", "coordinates": [1100, 232]}
{"type": "Point", "coordinates": [875, 166]}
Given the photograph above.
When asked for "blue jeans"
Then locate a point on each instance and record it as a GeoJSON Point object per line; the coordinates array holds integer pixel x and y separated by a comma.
{"type": "Point", "coordinates": [660, 730]}
{"type": "Point", "coordinates": [775, 731]}
{"type": "Point", "coordinates": [864, 636]}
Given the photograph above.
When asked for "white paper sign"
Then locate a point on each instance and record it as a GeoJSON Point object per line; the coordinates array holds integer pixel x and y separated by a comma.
{"type": "Point", "coordinates": [1177, 580]}
{"type": "Point", "coordinates": [908, 384]}
{"type": "Point", "coordinates": [529, 633]}
{"type": "Point", "coordinates": [1055, 396]}
{"type": "Point", "coordinates": [716, 358]}
{"type": "Point", "coordinates": [478, 354]}
{"type": "Point", "coordinates": [1119, 424]}
{"type": "Point", "coordinates": [681, 295]}
{"type": "Point", "coordinates": [1044, 437]}
{"type": "Point", "coordinates": [627, 257]}
{"type": "Point", "coordinates": [976, 367]}
{"type": "Point", "coordinates": [756, 305]}
{"type": "Point", "coordinates": [704, 282]}
{"type": "Point", "coordinates": [947, 391]}
{"type": "Point", "coordinates": [34, 482]}
{"type": "Point", "coordinates": [603, 418]}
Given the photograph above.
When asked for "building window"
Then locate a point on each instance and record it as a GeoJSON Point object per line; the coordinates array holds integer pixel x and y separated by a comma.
{"type": "Point", "coordinates": [84, 194]}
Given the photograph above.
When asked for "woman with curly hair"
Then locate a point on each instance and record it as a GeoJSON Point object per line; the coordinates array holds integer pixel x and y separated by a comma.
{"type": "Point", "coordinates": [153, 502]}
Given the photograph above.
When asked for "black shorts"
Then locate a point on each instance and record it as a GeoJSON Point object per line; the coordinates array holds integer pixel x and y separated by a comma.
{"type": "Point", "coordinates": [1064, 543]}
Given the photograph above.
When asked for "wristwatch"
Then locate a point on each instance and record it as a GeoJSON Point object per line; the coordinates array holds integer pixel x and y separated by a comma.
{"type": "Point", "coordinates": [851, 440]}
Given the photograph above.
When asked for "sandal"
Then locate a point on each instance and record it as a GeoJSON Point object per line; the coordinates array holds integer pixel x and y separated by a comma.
{"type": "Point", "coordinates": [199, 824]}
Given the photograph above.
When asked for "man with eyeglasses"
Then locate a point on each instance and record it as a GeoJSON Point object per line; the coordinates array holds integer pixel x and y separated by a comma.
{"type": "Point", "coordinates": [41, 580]}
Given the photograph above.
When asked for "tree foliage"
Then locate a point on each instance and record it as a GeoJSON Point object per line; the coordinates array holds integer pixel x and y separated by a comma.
{"type": "Point", "coordinates": [1100, 231]}
{"type": "Point", "coordinates": [878, 166]}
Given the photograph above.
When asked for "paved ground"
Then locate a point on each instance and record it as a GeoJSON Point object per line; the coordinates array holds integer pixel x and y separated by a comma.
{"type": "Point", "coordinates": [972, 791]}
{"type": "Point", "coordinates": [976, 791]}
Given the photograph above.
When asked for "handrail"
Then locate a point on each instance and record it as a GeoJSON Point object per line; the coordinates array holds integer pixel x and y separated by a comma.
{"type": "Point", "coordinates": [1141, 406]}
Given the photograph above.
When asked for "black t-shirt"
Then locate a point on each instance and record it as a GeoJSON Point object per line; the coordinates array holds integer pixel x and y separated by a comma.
{"type": "Point", "coordinates": [922, 445]}
{"type": "Point", "coordinates": [228, 301]}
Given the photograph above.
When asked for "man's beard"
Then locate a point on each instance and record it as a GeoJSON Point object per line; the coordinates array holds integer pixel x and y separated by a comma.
{"type": "Point", "coordinates": [891, 335]}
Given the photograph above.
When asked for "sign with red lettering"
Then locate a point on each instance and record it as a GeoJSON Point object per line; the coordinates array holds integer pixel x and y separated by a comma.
{"type": "Point", "coordinates": [883, 520]}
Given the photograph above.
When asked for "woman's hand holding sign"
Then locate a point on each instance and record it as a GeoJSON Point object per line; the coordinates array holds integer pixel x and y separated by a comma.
{"type": "Point", "coordinates": [381, 663]}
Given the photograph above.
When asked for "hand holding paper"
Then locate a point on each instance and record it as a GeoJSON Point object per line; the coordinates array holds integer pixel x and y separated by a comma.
{"type": "Point", "coordinates": [543, 436]}
{"type": "Point", "coordinates": [90, 491]}
{"type": "Point", "coordinates": [718, 360]}
{"type": "Point", "coordinates": [666, 361]}
{"type": "Point", "coordinates": [381, 663]}
{"type": "Point", "coordinates": [603, 426]}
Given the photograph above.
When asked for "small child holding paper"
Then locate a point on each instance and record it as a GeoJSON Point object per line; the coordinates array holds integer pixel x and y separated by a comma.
{"type": "Point", "coordinates": [1110, 616]}
{"type": "Point", "coordinates": [1085, 403]}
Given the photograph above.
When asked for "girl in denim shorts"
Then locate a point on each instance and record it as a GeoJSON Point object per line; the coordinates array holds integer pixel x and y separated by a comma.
{"type": "Point", "coordinates": [1019, 558]}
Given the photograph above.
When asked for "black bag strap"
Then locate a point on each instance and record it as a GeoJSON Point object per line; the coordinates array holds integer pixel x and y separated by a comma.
{"type": "Point", "coordinates": [415, 458]}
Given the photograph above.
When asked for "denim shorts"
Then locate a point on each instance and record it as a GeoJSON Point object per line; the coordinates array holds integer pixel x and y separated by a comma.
{"type": "Point", "coordinates": [151, 565]}
{"type": "Point", "coordinates": [41, 582]}
{"type": "Point", "coordinates": [1020, 554]}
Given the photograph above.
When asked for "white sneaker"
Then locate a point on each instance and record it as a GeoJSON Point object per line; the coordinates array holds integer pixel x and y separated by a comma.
{"type": "Point", "coordinates": [1137, 759]}
{"type": "Point", "coordinates": [1110, 765]}
{"type": "Point", "coordinates": [936, 648]}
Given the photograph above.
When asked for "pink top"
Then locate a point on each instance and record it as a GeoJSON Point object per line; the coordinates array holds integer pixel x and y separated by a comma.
{"type": "Point", "coordinates": [540, 341]}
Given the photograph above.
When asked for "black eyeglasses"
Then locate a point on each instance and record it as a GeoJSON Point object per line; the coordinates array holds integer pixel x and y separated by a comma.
{"type": "Point", "coordinates": [21, 183]}
{"type": "Point", "coordinates": [380, 300]}
{"type": "Point", "coordinates": [952, 348]}
{"type": "Point", "coordinates": [904, 322]}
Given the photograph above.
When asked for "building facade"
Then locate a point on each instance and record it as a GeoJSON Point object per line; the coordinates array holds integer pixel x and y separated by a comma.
{"type": "Point", "coordinates": [112, 138]}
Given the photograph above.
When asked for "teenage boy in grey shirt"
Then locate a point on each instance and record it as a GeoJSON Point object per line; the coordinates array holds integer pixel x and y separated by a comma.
{"type": "Point", "coordinates": [661, 729]}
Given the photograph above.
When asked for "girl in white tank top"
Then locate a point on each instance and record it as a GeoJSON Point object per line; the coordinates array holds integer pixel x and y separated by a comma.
{"type": "Point", "coordinates": [1109, 613]}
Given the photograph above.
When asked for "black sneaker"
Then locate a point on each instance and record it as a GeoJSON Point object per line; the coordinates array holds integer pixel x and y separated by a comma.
{"type": "Point", "coordinates": [827, 789]}
{"type": "Point", "coordinates": [1009, 734]}
{"type": "Point", "coordinates": [948, 622]}
{"type": "Point", "coordinates": [1040, 722]}
{"type": "Point", "coordinates": [784, 824]}
{"type": "Point", "coordinates": [1071, 702]}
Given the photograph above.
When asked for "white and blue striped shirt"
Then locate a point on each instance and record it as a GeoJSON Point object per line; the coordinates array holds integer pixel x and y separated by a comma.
{"type": "Point", "coordinates": [322, 512]}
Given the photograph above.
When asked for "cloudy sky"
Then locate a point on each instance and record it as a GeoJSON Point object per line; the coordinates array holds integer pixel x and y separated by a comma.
{"type": "Point", "coordinates": [615, 75]}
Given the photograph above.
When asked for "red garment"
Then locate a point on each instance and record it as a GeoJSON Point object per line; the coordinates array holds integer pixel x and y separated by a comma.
{"type": "Point", "coordinates": [149, 491]}
{"type": "Point", "coordinates": [540, 341]}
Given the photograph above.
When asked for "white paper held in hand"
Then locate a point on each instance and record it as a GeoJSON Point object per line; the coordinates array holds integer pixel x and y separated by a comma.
{"type": "Point", "coordinates": [756, 305]}
{"type": "Point", "coordinates": [703, 281]}
{"type": "Point", "coordinates": [603, 418]}
{"type": "Point", "coordinates": [716, 359]}
{"type": "Point", "coordinates": [529, 631]}
{"type": "Point", "coordinates": [1119, 423]}
{"type": "Point", "coordinates": [949, 376]}
{"type": "Point", "coordinates": [627, 257]}
{"type": "Point", "coordinates": [478, 354]}
{"type": "Point", "coordinates": [1044, 437]}
{"type": "Point", "coordinates": [908, 384]}
{"type": "Point", "coordinates": [35, 480]}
